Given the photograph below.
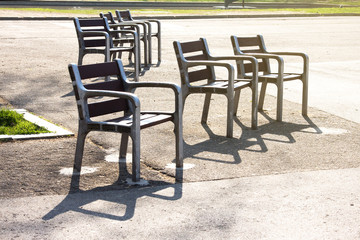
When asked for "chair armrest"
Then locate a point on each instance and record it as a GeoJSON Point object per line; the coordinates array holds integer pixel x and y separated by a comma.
{"type": "Point", "coordinates": [265, 55]}
{"type": "Point", "coordinates": [303, 55]}
{"type": "Point", "coordinates": [228, 66]}
{"type": "Point", "coordinates": [133, 100]}
{"type": "Point", "coordinates": [279, 60]}
{"type": "Point", "coordinates": [129, 96]}
{"type": "Point", "coordinates": [194, 63]}
{"type": "Point", "coordinates": [149, 21]}
{"type": "Point", "coordinates": [235, 57]}
{"type": "Point", "coordinates": [124, 31]}
{"type": "Point", "coordinates": [94, 33]}
{"type": "Point", "coordinates": [251, 58]}
{"type": "Point", "coordinates": [134, 33]}
{"type": "Point", "coordinates": [177, 90]}
{"type": "Point", "coordinates": [173, 86]}
{"type": "Point", "coordinates": [153, 20]}
{"type": "Point", "coordinates": [126, 24]}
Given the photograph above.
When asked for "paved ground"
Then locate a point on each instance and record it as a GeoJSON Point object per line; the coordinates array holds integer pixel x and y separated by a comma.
{"type": "Point", "coordinates": [291, 180]}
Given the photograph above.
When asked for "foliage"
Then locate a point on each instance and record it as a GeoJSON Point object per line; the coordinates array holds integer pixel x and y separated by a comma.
{"type": "Point", "coordinates": [12, 123]}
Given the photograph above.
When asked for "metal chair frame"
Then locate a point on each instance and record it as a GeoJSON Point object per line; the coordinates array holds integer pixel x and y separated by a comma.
{"type": "Point", "coordinates": [255, 46]}
{"type": "Point", "coordinates": [122, 101]}
{"type": "Point", "coordinates": [230, 87]}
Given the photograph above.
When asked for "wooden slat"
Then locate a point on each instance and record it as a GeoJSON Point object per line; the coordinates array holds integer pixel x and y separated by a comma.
{"type": "Point", "coordinates": [258, 50]}
{"type": "Point", "coordinates": [98, 70]}
{"type": "Point", "coordinates": [95, 43]}
{"type": "Point", "coordinates": [192, 46]}
{"type": "Point", "coordinates": [248, 41]}
{"type": "Point", "coordinates": [107, 107]}
{"type": "Point", "coordinates": [199, 75]}
{"type": "Point", "coordinates": [286, 77]}
{"type": "Point", "coordinates": [146, 120]}
{"type": "Point", "coordinates": [115, 85]}
{"type": "Point", "coordinates": [196, 57]}
{"type": "Point", "coordinates": [91, 22]}
{"type": "Point", "coordinates": [125, 15]}
{"type": "Point", "coordinates": [261, 67]}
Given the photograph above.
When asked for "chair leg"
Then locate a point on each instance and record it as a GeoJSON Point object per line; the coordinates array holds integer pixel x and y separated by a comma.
{"type": "Point", "coordinates": [123, 145]}
{"type": "Point", "coordinates": [230, 117]}
{"type": "Point", "coordinates": [136, 157]}
{"type": "Point", "coordinates": [254, 106]}
{"type": "Point", "coordinates": [80, 143]}
{"type": "Point", "coordinates": [305, 97]}
{"type": "Point", "coordinates": [206, 108]}
{"type": "Point", "coordinates": [136, 65]}
{"type": "Point", "coordinates": [236, 101]}
{"type": "Point", "coordinates": [179, 140]}
{"type": "Point", "coordinates": [149, 42]}
{"type": "Point", "coordinates": [279, 106]}
{"type": "Point", "coordinates": [262, 96]}
{"type": "Point", "coordinates": [146, 52]}
{"type": "Point", "coordinates": [159, 46]}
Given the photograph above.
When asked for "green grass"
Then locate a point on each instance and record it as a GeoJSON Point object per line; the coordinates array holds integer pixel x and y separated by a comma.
{"type": "Point", "coordinates": [13, 123]}
{"type": "Point", "coordinates": [135, 12]}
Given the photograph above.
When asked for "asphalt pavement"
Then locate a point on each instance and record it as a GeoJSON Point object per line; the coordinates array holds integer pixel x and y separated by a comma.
{"type": "Point", "coordinates": [292, 180]}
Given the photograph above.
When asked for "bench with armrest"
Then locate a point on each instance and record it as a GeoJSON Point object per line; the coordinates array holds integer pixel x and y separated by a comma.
{"type": "Point", "coordinates": [125, 16]}
{"type": "Point", "coordinates": [255, 46]}
{"type": "Point", "coordinates": [96, 98]}
{"type": "Point", "coordinates": [140, 28]}
{"type": "Point", "coordinates": [197, 72]}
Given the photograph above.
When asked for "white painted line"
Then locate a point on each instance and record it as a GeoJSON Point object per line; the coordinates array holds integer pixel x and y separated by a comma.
{"type": "Point", "coordinates": [328, 131]}
{"type": "Point", "coordinates": [113, 156]}
{"type": "Point", "coordinates": [84, 170]}
{"type": "Point", "coordinates": [55, 131]}
{"type": "Point", "coordinates": [185, 167]}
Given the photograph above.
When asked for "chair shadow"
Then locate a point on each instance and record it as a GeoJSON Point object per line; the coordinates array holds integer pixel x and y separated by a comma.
{"type": "Point", "coordinates": [250, 140]}
{"type": "Point", "coordinates": [77, 199]}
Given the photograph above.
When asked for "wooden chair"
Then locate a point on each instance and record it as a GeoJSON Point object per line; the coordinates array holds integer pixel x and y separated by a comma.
{"type": "Point", "coordinates": [125, 16]}
{"type": "Point", "coordinates": [93, 101]}
{"type": "Point", "coordinates": [115, 24]}
{"type": "Point", "coordinates": [255, 46]}
{"type": "Point", "coordinates": [197, 72]}
{"type": "Point", "coordinates": [96, 37]}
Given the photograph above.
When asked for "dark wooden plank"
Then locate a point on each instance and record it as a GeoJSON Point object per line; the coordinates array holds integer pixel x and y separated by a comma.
{"type": "Point", "coordinates": [98, 70]}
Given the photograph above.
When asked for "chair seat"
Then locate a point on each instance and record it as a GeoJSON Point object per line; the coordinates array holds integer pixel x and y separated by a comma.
{"type": "Point", "coordinates": [123, 124]}
{"type": "Point", "coordinates": [121, 48]}
{"type": "Point", "coordinates": [221, 86]}
{"type": "Point", "coordinates": [273, 76]}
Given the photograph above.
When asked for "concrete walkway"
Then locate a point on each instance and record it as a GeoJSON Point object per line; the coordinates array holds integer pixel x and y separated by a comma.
{"type": "Point", "coordinates": [306, 205]}
{"type": "Point", "coordinates": [292, 180]}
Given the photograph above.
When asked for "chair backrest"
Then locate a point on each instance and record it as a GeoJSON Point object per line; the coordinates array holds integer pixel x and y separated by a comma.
{"type": "Point", "coordinates": [256, 44]}
{"type": "Point", "coordinates": [124, 15]}
{"type": "Point", "coordinates": [109, 16]}
{"type": "Point", "coordinates": [97, 73]}
{"type": "Point", "coordinates": [193, 50]}
{"type": "Point", "coordinates": [86, 25]}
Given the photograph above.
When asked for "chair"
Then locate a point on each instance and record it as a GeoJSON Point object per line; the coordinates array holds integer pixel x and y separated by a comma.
{"type": "Point", "coordinates": [125, 16]}
{"type": "Point", "coordinates": [93, 101]}
{"type": "Point", "coordinates": [96, 37]}
{"type": "Point", "coordinates": [128, 38]}
{"type": "Point", "coordinates": [255, 46]}
{"type": "Point", "coordinates": [197, 72]}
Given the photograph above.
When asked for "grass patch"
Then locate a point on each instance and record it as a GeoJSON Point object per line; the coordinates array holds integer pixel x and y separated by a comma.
{"type": "Point", "coordinates": [13, 123]}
